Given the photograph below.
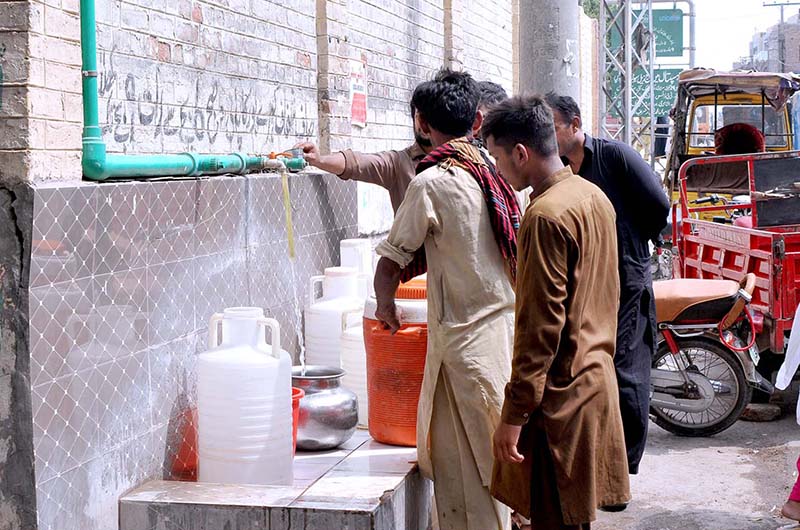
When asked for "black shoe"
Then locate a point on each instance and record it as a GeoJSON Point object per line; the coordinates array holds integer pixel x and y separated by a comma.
{"type": "Point", "coordinates": [613, 508]}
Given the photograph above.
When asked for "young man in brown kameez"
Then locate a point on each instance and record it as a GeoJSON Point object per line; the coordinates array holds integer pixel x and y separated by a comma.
{"type": "Point", "coordinates": [561, 431]}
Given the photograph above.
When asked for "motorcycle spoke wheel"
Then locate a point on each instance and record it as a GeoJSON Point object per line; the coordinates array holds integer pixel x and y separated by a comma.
{"type": "Point", "coordinates": [723, 371]}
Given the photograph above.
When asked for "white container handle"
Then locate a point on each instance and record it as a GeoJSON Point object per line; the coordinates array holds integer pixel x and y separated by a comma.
{"type": "Point", "coordinates": [275, 332]}
{"type": "Point", "coordinates": [213, 330]}
{"type": "Point", "coordinates": [311, 291]}
{"type": "Point", "coordinates": [346, 314]}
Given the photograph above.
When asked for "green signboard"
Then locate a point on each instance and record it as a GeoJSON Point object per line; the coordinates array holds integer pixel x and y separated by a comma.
{"type": "Point", "coordinates": [665, 89]}
{"type": "Point", "coordinates": [668, 28]}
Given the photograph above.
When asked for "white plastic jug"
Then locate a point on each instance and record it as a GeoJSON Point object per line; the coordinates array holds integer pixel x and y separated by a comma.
{"type": "Point", "coordinates": [358, 254]}
{"type": "Point", "coordinates": [354, 361]}
{"type": "Point", "coordinates": [244, 402]}
{"type": "Point", "coordinates": [323, 322]}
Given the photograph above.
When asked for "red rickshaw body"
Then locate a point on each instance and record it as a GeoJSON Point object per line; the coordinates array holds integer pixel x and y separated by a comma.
{"type": "Point", "coordinates": [759, 232]}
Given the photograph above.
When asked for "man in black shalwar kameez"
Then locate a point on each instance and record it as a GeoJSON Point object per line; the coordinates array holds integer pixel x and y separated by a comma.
{"type": "Point", "coordinates": [642, 207]}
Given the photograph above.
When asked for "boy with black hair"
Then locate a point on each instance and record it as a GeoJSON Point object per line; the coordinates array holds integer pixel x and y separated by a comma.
{"type": "Point", "coordinates": [560, 449]}
{"type": "Point", "coordinates": [392, 169]}
{"type": "Point", "coordinates": [491, 94]}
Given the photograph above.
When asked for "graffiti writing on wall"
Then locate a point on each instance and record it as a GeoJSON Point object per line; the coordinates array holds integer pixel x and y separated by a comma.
{"type": "Point", "coordinates": [215, 111]}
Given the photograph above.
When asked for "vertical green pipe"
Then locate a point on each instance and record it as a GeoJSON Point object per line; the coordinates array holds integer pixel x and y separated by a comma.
{"type": "Point", "coordinates": [94, 150]}
{"type": "Point", "coordinates": [91, 121]}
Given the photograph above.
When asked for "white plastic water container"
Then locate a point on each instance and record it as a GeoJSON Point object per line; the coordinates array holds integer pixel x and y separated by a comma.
{"type": "Point", "coordinates": [358, 254]}
{"type": "Point", "coordinates": [244, 402]}
{"type": "Point", "coordinates": [323, 322]}
{"type": "Point", "coordinates": [354, 362]}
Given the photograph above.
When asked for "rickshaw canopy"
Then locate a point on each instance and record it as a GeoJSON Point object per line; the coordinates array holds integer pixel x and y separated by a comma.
{"type": "Point", "coordinates": [777, 88]}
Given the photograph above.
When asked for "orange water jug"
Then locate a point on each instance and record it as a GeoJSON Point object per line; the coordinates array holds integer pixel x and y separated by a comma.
{"type": "Point", "coordinates": [396, 365]}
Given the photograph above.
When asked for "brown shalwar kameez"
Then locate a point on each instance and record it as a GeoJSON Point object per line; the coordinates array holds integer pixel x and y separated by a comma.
{"type": "Point", "coordinates": [563, 369]}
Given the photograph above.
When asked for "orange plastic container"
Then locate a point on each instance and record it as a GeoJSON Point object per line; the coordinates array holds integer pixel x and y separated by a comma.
{"type": "Point", "coordinates": [297, 395]}
{"type": "Point", "coordinates": [184, 463]}
{"type": "Point", "coordinates": [396, 365]}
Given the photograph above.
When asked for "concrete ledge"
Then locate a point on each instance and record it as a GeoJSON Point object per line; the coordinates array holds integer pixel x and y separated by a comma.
{"type": "Point", "coordinates": [362, 486]}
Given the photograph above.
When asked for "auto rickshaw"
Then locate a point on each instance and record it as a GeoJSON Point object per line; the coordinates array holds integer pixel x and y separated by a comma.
{"type": "Point", "coordinates": [708, 101]}
{"type": "Point", "coordinates": [739, 213]}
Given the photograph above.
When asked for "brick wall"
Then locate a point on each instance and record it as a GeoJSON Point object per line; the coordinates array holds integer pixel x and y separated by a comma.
{"type": "Point", "coordinates": [54, 101]}
{"type": "Point", "coordinates": [515, 43]}
{"type": "Point", "coordinates": [401, 43]}
{"type": "Point", "coordinates": [765, 48]}
{"type": "Point", "coordinates": [238, 75]}
{"type": "Point", "coordinates": [217, 77]}
{"type": "Point", "coordinates": [14, 71]}
{"type": "Point", "coordinates": [208, 76]}
{"type": "Point", "coordinates": [486, 30]}
{"type": "Point", "coordinates": [174, 76]}
{"type": "Point", "coordinates": [792, 47]}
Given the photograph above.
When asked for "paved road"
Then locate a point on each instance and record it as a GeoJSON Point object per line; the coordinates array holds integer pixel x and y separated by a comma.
{"type": "Point", "coordinates": [736, 480]}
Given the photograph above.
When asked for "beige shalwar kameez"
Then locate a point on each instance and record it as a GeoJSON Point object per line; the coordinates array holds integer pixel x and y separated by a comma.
{"type": "Point", "coordinates": [393, 171]}
{"type": "Point", "coordinates": [470, 328]}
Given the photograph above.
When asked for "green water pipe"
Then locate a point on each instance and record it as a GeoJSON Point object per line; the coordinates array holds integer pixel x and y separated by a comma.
{"type": "Point", "coordinates": [97, 165]}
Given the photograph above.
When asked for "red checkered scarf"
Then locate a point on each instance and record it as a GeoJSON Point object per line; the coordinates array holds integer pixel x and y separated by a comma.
{"type": "Point", "coordinates": [504, 212]}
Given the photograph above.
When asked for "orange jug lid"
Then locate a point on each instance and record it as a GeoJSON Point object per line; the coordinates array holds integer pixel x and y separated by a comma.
{"type": "Point", "coordinates": [413, 289]}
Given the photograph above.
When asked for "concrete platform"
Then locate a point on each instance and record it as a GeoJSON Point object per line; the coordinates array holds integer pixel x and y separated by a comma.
{"type": "Point", "coordinates": [363, 485]}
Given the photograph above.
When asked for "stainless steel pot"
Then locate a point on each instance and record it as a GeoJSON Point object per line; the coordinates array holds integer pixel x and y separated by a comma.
{"type": "Point", "coordinates": [328, 412]}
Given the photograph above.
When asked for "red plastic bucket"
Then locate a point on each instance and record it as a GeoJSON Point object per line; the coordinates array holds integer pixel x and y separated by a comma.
{"type": "Point", "coordinates": [184, 464]}
{"type": "Point", "coordinates": [297, 395]}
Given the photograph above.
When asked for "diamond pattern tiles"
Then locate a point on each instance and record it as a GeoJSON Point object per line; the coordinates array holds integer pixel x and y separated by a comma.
{"type": "Point", "coordinates": [324, 211]}
{"type": "Point", "coordinates": [87, 496]}
{"type": "Point", "coordinates": [121, 228]}
{"type": "Point", "coordinates": [173, 211]}
{"type": "Point", "coordinates": [63, 234]}
{"type": "Point", "coordinates": [124, 277]}
{"type": "Point", "coordinates": [221, 215]}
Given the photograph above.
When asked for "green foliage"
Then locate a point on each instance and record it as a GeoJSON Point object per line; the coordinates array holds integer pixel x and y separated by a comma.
{"type": "Point", "coordinates": [592, 8]}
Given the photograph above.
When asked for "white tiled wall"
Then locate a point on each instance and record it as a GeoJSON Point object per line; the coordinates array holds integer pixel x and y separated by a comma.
{"type": "Point", "coordinates": [124, 277]}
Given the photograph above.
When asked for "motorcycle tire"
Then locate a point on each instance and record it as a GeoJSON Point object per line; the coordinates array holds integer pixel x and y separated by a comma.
{"type": "Point", "coordinates": [745, 392]}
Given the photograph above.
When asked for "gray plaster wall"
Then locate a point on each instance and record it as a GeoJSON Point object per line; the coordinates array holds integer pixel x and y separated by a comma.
{"type": "Point", "coordinates": [17, 485]}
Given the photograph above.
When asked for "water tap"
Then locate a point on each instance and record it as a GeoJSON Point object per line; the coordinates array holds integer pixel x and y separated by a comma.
{"type": "Point", "coordinates": [292, 158]}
